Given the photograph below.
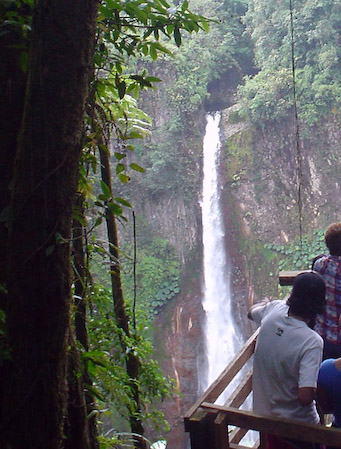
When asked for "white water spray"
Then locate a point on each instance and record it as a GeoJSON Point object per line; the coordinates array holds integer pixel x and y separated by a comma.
{"type": "Point", "coordinates": [221, 340]}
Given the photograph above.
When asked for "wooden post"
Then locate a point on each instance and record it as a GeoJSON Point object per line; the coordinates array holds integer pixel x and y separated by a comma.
{"type": "Point", "coordinates": [221, 435]}
{"type": "Point", "coordinates": [200, 430]}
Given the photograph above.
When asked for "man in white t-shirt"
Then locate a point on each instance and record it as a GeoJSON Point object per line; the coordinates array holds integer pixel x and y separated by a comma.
{"type": "Point", "coordinates": [289, 352]}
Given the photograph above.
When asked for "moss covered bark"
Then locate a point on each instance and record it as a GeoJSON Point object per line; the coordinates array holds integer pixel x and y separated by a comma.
{"type": "Point", "coordinates": [33, 385]}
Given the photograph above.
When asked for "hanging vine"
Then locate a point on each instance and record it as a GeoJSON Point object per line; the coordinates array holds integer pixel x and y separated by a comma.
{"type": "Point", "coordinates": [299, 173]}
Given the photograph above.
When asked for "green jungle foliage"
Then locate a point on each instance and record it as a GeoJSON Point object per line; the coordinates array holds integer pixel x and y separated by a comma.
{"type": "Point", "coordinates": [296, 255]}
{"type": "Point", "coordinates": [158, 275]}
{"type": "Point", "coordinates": [106, 363]}
{"type": "Point", "coordinates": [207, 57]}
{"type": "Point", "coordinates": [203, 59]}
{"type": "Point", "coordinates": [157, 271]}
{"type": "Point", "coordinates": [316, 31]}
{"type": "Point", "coordinates": [114, 123]}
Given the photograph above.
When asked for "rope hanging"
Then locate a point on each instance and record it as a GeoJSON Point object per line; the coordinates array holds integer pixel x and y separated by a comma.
{"type": "Point", "coordinates": [299, 173]}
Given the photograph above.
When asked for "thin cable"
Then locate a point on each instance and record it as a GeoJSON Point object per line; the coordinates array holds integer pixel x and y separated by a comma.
{"type": "Point", "coordinates": [134, 275]}
{"type": "Point", "coordinates": [299, 171]}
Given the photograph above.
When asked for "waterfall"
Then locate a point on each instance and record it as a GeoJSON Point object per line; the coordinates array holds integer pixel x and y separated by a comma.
{"type": "Point", "coordinates": [221, 339]}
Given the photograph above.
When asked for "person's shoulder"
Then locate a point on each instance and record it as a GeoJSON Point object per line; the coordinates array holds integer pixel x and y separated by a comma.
{"type": "Point", "coordinates": [316, 341]}
{"type": "Point", "coordinates": [277, 307]}
{"type": "Point", "coordinates": [279, 304]}
{"type": "Point", "coordinates": [313, 339]}
{"type": "Point", "coordinates": [319, 261]}
{"type": "Point", "coordinates": [276, 304]}
{"type": "Point", "coordinates": [327, 364]}
{"type": "Point", "coordinates": [327, 372]}
{"type": "Point", "coordinates": [318, 338]}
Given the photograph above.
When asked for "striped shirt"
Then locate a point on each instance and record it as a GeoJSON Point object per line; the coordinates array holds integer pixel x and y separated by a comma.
{"type": "Point", "coordinates": [327, 324]}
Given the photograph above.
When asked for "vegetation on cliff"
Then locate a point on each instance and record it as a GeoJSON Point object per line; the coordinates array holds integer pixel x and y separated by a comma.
{"type": "Point", "coordinates": [316, 40]}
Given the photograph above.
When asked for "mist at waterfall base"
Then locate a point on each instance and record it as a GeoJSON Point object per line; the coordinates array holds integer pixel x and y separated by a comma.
{"type": "Point", "coordinates": [222, 342]}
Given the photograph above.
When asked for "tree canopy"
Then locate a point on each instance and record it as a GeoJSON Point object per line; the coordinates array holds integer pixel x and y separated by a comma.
{"type": "Point", "coordinates": [316, 37]}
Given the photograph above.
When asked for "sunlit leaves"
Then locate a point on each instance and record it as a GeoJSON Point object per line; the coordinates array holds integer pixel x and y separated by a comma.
{"type": "Point", "coordinates": [137, 167]}
{"type": "Point", "coordinates": [124, 178]}
{"type": "Point", "coordinates": [135, 28]}
{"type": "Point", "coordinates": [184, 6]}
{"type": "Point", "coordinates": [119, 156]}
{"type": "Point", "coordinates": [120, 168]}
{"type": "Point", "coordinates": [105, 189]}
{"type": "Point", "coordinates": [125, 29]}
{"type": "Point", "coordinates": [123, 201]}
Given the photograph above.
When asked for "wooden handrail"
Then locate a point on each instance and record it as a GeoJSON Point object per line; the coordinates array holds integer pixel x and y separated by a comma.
{"type": "Point", "coordinates": [221, 383]}
{"type": "Point", "coordinates": [238, 397]}
{"type": "Point", "coordinates": [287, 277]}
{"type": "Point", "coordinates": [282, 427]}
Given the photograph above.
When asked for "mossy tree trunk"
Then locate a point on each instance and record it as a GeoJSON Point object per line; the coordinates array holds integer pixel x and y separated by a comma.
{"type": "Point", "coordinates": [38, 278]}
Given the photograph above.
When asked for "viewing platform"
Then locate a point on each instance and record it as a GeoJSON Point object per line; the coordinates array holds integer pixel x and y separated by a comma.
{"type": "Point", "coordinates": [213, 426]}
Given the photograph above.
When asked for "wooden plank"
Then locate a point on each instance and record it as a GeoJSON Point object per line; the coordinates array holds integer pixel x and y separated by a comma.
{"type": "Point", "coordinates": [237, 434]}
{"type": "Point", "coordinates": [238, 396]}
{"type": "Point", "coordinates": [219, 385]}
{"type": "Point", "coordinates": [241, 393]}
{"type": "Point", "coordinates": [288, 428]}
{"type": "Point", "coordinates": [237, 446]}
{"type": "Point", "coordinates": [287, 277]}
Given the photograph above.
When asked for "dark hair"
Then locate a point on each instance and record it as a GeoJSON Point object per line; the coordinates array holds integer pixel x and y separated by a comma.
{"type": "Point", "coordinates": [333, 239]}
{"type": "Point", "coordinates": [307, 298]}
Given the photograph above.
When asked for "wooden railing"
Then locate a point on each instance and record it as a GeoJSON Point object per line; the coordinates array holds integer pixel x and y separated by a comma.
{"type": "Point", "coordinates": [213, 426]}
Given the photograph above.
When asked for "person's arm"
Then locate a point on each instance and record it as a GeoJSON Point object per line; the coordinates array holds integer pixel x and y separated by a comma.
{"type": "Point", "coordinates": [257, 307]}
{"type": "Point", "coordinates": [308, 373]}
{"type": "Point", "coordinates": [306, 395]}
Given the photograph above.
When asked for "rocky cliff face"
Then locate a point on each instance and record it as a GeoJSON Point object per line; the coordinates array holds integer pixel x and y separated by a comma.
{"type": "Point", "coordinates": [177, 221]}
{"type": "Point", "coordinates": [181, 331]}
{"type": "Point", "coordinates": [262, 173]}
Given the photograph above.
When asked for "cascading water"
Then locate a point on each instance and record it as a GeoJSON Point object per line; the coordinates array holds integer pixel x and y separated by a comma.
{"type": "Point", "coordinates": [221, 339]}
